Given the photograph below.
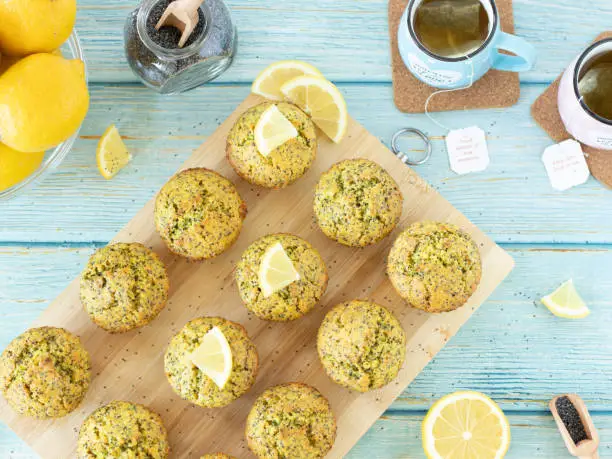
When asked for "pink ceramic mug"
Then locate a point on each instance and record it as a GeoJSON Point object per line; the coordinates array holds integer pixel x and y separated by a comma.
{"type": "Point", "coordinates": [584, 125]}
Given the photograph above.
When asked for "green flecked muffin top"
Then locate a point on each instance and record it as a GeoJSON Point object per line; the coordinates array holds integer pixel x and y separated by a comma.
{"type": "Point", "coordinates": [357, 203]}
{"type": "Point", "coordinates": [291, 421]}
{"type": "Point", "coordinates": [435, 267]}
{"type": "Point", "coordinates": [361, 345]}
{"type": "Point", "coordinates": [190, 383]}
{"type": "Point", "coordinates": [44, 373]}
{"type": "Point", "coordinates": [199, 214]}
{"type": "Point", "coordinates": [282, 166]}
{"type": "Point", "coordinates": [124, 286]}
{"type": "Point", "coordinates": [217, 456]}
{"type": "Point", "coordinates": [293, 301]}
{"type": "Point", "coordinates": [123, 430]}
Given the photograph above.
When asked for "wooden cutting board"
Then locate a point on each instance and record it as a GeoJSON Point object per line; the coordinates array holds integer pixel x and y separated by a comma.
{"type": "Point", "coordinates": [130, 366]}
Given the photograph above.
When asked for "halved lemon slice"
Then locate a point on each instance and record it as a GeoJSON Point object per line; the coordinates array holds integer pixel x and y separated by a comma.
{"type": "Point", "coordinates": [566, 302]}
{"type": "Point", "coordinates": [112, 155]}
{"type": "Point", "coordinates": [276, 270]}
{"type": "Point", "coordinates": [322, 100]}
{"type": "Point", "coordinates": [214, 357]}
{"type": "Point", "coordinates": [272, 130]}
{"type": "Point", "coordinates": [465, 425]}
{"type": "Point", "coordinates": [273, 77]}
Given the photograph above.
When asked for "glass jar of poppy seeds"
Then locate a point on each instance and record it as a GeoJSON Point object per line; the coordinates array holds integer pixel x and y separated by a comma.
{"type": "Point", "coordinates": [156, 59]}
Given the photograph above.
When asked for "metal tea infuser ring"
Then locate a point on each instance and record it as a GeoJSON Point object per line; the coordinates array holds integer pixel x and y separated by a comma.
{"type": "Point", "coordinates": [403, 156]}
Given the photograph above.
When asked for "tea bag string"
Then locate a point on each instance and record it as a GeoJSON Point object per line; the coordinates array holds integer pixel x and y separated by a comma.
{"type": "Point", "coordinates": [442, 91]}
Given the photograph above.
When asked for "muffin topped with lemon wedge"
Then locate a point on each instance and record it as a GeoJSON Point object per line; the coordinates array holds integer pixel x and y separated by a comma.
{"type": "Point", "coordinates": [272, 144]}
{"type": "Point", "coordinates": [291, 421]}
{"type": "Point", "coordinates": [361, 345]}
{"type": "Point", "coordinates": [44, 373]}
{"type": "Point", "coordinates": [124, 286]}
{"type": "Point", "coordinates": [357, 203]}
{"type": "Point", "coordinates": [434, 266]}
{"type": "Point", "coordinates": [281, 277]}
{"type": "Point", "coordinates": [199, 214]}
{"type": "Point", "coordinates": [123, 429]}
{"type": "Point", "coordinates": [211, 362]}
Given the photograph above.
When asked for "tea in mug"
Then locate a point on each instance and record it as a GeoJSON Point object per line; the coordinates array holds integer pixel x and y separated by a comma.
{"type": "Point", "coordinates": [595, 85]}
{"type": "Point", "coordinates": [451, 28]}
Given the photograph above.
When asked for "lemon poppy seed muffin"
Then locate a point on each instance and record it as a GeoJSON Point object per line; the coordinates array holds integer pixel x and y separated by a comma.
{"type": "Point", "coordinates": [217, 456]}
{"type": "Point", "coordinates": [44, 373]}
{"type": "Point", "coordinates": [361, 345]}
{"type": "Point", "coordinates": [434, 266]}
{"type": "Point", "coordinates": [282, 166]}
{"type": "Point", "coordinates": [124, 286]}
{"type": "Point", "coordinates": [296, 299]}
{"type": "Point", "coordinates": [357, 203]}
{"type": "Point", "coordinates": [199, 214]}
{"type": "Point", "coordinates": [123, 429]}
{"type": "Point", "coordinates": [192, 384]}
{"type": "Point", "coordinates": [291, 421]}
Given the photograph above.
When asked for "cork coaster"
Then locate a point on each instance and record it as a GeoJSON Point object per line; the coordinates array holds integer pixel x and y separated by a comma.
{"type": "Point", "coordinates": [494, 90]}
{"type": "Point", "coordinates": [546, 113]}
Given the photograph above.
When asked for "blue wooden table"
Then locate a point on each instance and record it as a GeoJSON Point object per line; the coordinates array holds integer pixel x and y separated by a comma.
{"type": "Point", "coordinates": [513, 349]}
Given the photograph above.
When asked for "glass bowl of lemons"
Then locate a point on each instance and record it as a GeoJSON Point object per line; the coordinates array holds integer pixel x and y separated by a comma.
{"type": "Point", "coordinates": [18, 171]}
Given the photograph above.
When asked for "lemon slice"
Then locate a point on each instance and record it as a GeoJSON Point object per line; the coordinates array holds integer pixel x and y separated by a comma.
{"type": "Point", "coordinates": [214, 357]}
{"type": "Point", "coordinates": [276, 270]}
{"type": "Point", "coordinates": [272, 130]}
{"type": "Point", "coordinates": [269, 82]}
{"type": "Point", "coordinates": [112, 154]}
{"type": "Point", "coordinates": [566, 302]}
{"type": "Point", "coordinates": [322, 100]}
{"type": "Point", "coordinates": [466, 425]}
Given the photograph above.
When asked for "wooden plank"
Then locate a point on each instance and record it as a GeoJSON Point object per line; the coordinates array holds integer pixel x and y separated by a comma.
{"type": "Point", "coordinates": [117, 368]}
{"type": "Point", "coordinates": [397, 435]}
{"type": "Point", "coordinates": [514, 348]}
{"type": "Point", "coordinates": [512, 201]}
{"type": "Point", "coordinates": [347, 39]}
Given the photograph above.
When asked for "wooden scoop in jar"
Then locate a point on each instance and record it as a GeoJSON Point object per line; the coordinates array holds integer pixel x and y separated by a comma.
{"type": "Point", "coordinates": [586, 449]}
{"type": "Point", "coordinates": [183, 15]}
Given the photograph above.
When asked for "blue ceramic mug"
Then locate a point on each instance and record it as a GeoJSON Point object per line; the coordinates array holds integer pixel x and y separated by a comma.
{"type": "Point", "coordinates": [456, 72]}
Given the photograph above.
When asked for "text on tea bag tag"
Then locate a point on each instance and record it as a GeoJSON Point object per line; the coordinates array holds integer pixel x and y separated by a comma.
{"type": "Point", "coordinates": [566, 165]}
{"type": "Point", "coordinates": [467, 150]}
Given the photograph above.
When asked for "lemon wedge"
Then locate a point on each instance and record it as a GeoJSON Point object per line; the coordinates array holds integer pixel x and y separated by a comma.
{"type": "Point", "coordinates": [272, 130]}
{"type": "Point", "coordinates": [214, 357]}
{"type": "Point", "coordinates": [273, 77]}
{"type": "Point", "coordinates": [322, 100]}
{"type": "Point", "coordinates": [465, 425]}
{"type": "Point", "coordinates": [112, 155]}
{"type": "Point", "coordinates": [276, 270]}
{"type": "Point", "coordinates": [566, 302]}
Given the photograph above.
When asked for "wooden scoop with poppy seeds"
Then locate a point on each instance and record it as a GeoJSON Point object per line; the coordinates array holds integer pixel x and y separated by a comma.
{"type": "Point", "coordinates": [576, 426]}
{"type": "Point", "coordinates": [182, 15]}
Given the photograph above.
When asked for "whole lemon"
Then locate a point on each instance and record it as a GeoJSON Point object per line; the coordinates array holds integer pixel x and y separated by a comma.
{"type": "Point", "coordinates": [35, 26]}
{"type": "Point", "coordinates": [16, 166]}
{"type": "Point", "coordinates": [43, 101]}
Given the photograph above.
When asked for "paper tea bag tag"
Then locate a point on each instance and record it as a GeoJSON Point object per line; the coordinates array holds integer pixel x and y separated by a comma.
{"type": "Point", "coordinates": [565, 165]}
{"type": "Point", "coordinates": [467, 150]}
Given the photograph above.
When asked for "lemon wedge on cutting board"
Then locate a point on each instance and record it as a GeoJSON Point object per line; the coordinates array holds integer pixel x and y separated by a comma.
{"type": "Point", "coordinates": [322, 100]}
{"type": "Point", "coordinates": [566, 302]}
{"type": "Point", "coordinates": [214, 357]}
{"type": "Point", "coordinates": [112, 155]}
{"type": "Point", "coordinates": [273, 130]}
{"type": "Point", "coordinates": [269, 82]}
{"type": "Point", "coordinates": [276, 270]}
{"type": "Point", "coordinates": [466, 425]}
